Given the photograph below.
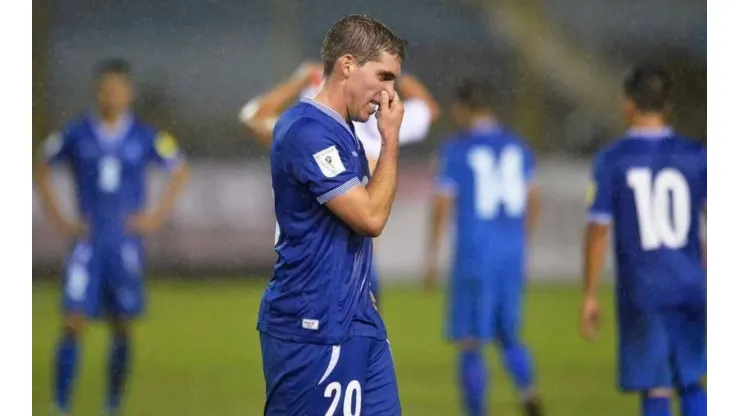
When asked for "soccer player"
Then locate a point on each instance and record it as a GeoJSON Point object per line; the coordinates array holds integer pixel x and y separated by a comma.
{"type": "Point", "coordinates": [258, 117]}
{"type": "Point", "coordinates": [652, 186]}
{"type": "Point", "coordinates": [324, 345]}
{"type": "Point", "coordinates": [485, 175]}
{"type": "Point", "coordinates": [108, 151]}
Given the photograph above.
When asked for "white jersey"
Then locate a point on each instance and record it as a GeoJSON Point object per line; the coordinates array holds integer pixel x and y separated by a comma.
{"type": "Point", "coordinates": [417, 118]}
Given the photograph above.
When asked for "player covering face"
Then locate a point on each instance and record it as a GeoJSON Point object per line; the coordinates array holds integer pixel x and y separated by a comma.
{"type": "Point", "coordinates": [651, 188]}
{"type": "Point", "coordinates": [108, 151]}
{"type": "Point", "coordinates": [324, 346]}
{"type": "Point", "coordinates": [259, 115]}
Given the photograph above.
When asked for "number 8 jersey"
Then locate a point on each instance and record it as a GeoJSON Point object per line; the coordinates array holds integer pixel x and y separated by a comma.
{"type": "Point", "coordinates": [652, 186]}
{"type": "Point", "coordinates": [109, 167]}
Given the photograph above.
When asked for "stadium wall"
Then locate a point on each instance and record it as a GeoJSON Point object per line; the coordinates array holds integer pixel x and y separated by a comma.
{"type": "Point", "coordinates": [224, 223]}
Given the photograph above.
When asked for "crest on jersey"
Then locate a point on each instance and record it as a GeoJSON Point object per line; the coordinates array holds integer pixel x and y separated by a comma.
{"type": "Point", "coordinates": [329, 162]}
{"type": "Point", "coordinates": [166, 145]}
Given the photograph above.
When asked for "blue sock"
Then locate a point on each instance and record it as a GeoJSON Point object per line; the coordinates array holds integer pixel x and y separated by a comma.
{"type": "Point", "coordinates": [518, 363]}
{"type": "Point", "coordinates": [117, 369]}
{"type": "Point", "coordinates": [693, 401]}
{"type": "Point", "coordinates": [66, 366]}
{"type": "Point", "coordinates": [473, 380]}
{"type": "Point", "coordinates": [656, 406]}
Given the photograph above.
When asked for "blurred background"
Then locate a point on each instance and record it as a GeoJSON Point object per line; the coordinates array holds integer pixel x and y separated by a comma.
{"type": "Point", "coordinates": [557, 66]}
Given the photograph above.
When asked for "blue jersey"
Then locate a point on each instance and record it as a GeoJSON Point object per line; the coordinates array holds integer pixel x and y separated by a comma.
{"type": "Point", "coordinates": [109, 170]}
{"type": "Point", "coordinates": [652, 185]}
{"type": "Point", "coordinates": [319, 289]}
{"type": "Point", "coordinates": [488, 170]}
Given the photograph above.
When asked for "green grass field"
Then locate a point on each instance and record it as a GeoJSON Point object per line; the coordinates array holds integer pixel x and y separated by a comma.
{"type": "Point", "coordinates": [197, 353]}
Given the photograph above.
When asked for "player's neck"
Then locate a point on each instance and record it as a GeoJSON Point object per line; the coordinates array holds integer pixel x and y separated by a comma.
{"type": "Point", "coordinates": [650, 121]}
{"type": "Point", "coordinates": [480, 120]}
{"type": "Point", "coordinates": [111, 118]}
{"type": "Point", "coordinates": [331, 95]}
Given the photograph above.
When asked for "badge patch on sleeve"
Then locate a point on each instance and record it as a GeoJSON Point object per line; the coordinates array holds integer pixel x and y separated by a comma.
{"type": "Point", "coordinates": [166, 145]}
{"type": "Point", "coordinates": [329, 162]}
{"type": "Point", "coordinates": [590, 194]}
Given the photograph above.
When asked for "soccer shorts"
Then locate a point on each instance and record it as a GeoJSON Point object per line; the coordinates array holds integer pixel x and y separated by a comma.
{"type": "Point", "coordinates": [666, 347]}
{"type": "Point", "coordinates": [356, 377]}
{"type": "Point", "coordinates": [485, 309]}
{"type": "Point", "coordinates": [105, 281]}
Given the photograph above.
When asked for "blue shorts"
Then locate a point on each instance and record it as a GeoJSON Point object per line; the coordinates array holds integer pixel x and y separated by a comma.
{"type": "Point", "coordinates": [354, 378]}
{"type": "Point", "coordinates": [666, 347]}
{"type": "Point", "coordinates": [104, 281]}
{"type": "Point", "coordinates": [485, 310]}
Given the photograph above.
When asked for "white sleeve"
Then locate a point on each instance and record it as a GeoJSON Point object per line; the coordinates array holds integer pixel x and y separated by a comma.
{"type": "Point", "coordinates": [416, 121]}
{"type": "Point", "coordinates": [414, 127]}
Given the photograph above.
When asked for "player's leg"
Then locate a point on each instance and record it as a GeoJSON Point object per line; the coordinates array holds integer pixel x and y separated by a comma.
{"type": "Point", "coordinates": [469, 324]}
{"type": "Point", "coordinates": [514, 354]}
{"type": "Point", "coordinates": [380, 392]}
{"type": "Point", "coordinates": [80, 299]}
{"type": "Point", "coordinates": [644, 359]}
{"type": "Point", "coordinates": [124, 301]}
{"type": "Point", "coordinates": [314, 379]}
{"type": "Point", "coordinates": [688, 332]}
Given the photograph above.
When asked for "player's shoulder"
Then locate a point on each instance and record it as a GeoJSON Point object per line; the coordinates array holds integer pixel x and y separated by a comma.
{"type": "Point", "coordinates": [509, 137]}
{"type": "Point", "coordinates": [144, 128]}
{"type": "Point", "coordinates": [451, 144]}
{"type": "Point", "coordinates": [688, 144]}
{"type": "Point", "coordinates": [300, 122]}
{"type": "Point", "coordinates": [610, 151]}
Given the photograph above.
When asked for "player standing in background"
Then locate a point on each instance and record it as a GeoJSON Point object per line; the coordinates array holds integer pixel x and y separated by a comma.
{"type": "Point", "coordinates": [420, 109]}
{"type": "Point", "coordinates": [652, 187]}
{"type": "Point", "coordinates": [108, 151]}
{"type": "Point", "coordinates": [485, 177]}
{"type": "Point", "coordinates": [324, 345]}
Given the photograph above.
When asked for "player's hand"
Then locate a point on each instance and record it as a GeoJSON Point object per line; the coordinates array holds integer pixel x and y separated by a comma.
{"type": "Point", "coordinates": [590, 318]}
{"type": "Point", "coordinates": [375, 303]}
{"type": "Point", "coordinates": [144, 223]}
{"type": "Point", "coordinates": [74, 229]}
{"type": "Point", "coordinates": [430, 278]}
{"type": "Point", "coordinates": [389, 115]}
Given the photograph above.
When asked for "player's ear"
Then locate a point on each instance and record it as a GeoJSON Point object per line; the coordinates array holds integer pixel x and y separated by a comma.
{"type": "Point", "coordinates": [347, 64]}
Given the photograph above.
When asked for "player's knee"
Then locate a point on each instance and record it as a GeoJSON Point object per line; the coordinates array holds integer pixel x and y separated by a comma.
{"type": "Point", "coordinates": [658, 392]}
{"type": "Point", "coordinates": [468, 345]}
{"type": "Point", "coordinates": [691, 389]}
{"type": "Point", "coordinates": [120, 327]}
{"type": "Point", "coordinates": [74, 324]}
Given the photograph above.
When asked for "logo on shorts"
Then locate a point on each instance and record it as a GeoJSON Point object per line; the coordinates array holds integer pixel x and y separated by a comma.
{"type": "Point", "coordinates": [312, 324]}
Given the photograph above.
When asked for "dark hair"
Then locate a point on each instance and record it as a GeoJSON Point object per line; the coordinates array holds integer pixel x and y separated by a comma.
{"type": "Point", "coordinates": [118, 66]}
{"type": "Point", "coordinates": [648, 87]}
{"type": "Point", "coordinates": [476, 94]}
{"type": "Point", "coordinates": [362, 37]}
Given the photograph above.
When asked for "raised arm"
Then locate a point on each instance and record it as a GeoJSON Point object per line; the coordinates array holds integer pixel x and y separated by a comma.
{"type": "Point", "coordinates": [259, 115]}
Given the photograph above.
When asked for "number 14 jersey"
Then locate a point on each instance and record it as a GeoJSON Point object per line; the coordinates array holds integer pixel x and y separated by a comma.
{"type": "Point", "coordinates": [652, 186]}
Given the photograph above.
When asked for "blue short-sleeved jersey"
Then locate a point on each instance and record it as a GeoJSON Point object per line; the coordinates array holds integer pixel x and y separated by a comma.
{"type": "Point", "coordinates": [109, 169]}
{"type": "Point", "coordinates": [319, 289]}
{"type": "Point", "coordinates": [489, 171]}
{"type": "Point", "coordinates": [652, 185]}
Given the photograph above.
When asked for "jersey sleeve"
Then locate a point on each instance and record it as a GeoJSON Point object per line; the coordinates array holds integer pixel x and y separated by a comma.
{"type": "Point", "coordinates": [599, 194]}
{"type": "Point", "coordinates": [445, 182]}
{"type": "Point", "coordinates": [416, 121]}
{"type": "Point", "coordinates": [57, 148]}
{"type": "Point", "coordinates": [317, 160]}
{"type": "Point", "coordinates": [165, 152]}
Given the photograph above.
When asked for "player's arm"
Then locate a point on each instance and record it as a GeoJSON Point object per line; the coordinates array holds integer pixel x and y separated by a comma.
{"type": "Point", "coordinates": [259, 115]}
{"type": "Point", "coordinates": [595, 245]}
{"type": "Point", "coordinates": [442, 201]}
{"type": "Point", "coordinates": [421, 110]}
{"type": "Point", "coordinates": [56, 149]}
{"type": "Point", "coordinates": [534, 200]}
{"type": "Point", "coordinates": [166, 154]}
{"type": "Point", "coordinates": [366, 210]}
